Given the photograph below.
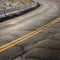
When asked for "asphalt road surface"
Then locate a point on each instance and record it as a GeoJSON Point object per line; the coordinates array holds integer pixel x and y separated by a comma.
{"type": "Point", "coordinates": [17, 27]}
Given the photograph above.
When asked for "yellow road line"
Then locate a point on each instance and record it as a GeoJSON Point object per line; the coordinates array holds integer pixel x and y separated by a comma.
{"type": "Point", "coordinates": [13, 43]}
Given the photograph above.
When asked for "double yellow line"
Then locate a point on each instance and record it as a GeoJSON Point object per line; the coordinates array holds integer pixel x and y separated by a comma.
{"type": "Point", "coordinates": [13, 43]}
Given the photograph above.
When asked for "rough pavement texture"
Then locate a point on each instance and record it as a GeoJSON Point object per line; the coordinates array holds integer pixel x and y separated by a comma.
{"type": "Point", "coordinates": [44, 46]}
{"type": "Point", "coordinates": [47, 46]}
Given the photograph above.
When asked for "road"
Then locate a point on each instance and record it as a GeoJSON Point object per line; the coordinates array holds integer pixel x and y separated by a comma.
{"type": "Point", "coordinates": [15, 28]}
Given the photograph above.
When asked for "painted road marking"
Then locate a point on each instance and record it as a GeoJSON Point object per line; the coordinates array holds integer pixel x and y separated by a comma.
{"type": "Point", "coordinates": [29, 35]}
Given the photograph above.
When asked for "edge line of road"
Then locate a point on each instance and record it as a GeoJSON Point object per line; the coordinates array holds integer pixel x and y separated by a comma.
{"type": "Point", "coordinates": [29, 35]}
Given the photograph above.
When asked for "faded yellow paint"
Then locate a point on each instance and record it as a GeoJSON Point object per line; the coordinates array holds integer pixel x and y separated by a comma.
{"type": "Point", "coordinates": [29, 35]}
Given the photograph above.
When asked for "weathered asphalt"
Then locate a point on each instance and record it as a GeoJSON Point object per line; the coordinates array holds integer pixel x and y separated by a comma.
{"type": "Point", "coordinates": [19, 26]}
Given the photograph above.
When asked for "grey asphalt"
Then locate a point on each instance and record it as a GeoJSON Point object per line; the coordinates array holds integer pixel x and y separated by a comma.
{"type": "Point", "coordinates": [15, 28]}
